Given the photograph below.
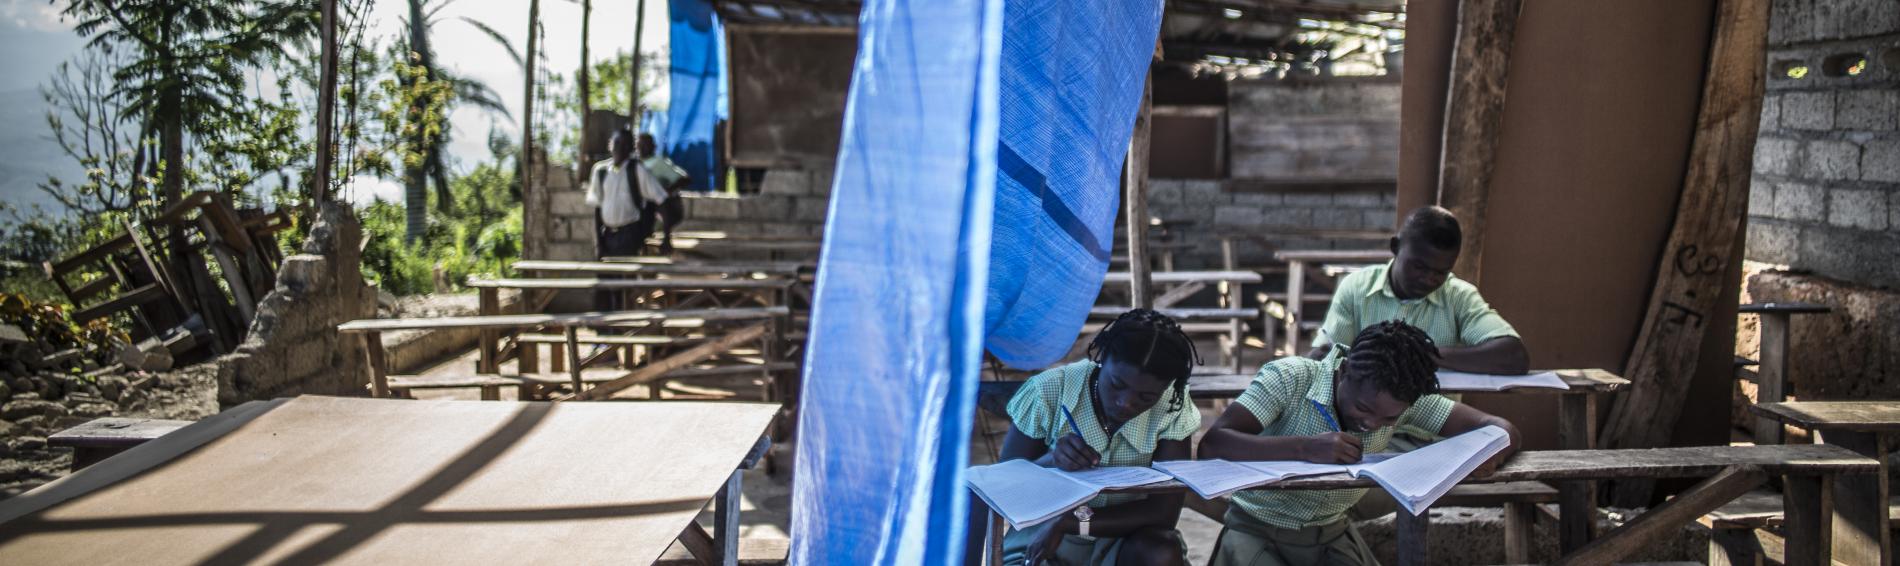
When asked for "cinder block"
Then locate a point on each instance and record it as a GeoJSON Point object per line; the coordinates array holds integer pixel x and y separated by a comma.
{"type": "Point", "coordinates": [812, 209]}
{"type": "Point", "coordinates": [767, 207]}
{"type": "Point", "coordinates": [1893, 210]}
{"type": "Point", "coordinates": [1858, 208]}
{"type": "Point", "coordinates": [1338, 219]}
{"type": "Point", "coordinates": [1761, 197]}
{"type": "Point", "coordinates": [1863, 18]}
{"type": "Point", "coordinates": [1770, 113]}
{"type": "Point", "coordinates": [1236, 215]}
{"type": "Point", "coordinates": [1381, 220]}
{"type": "Point", "coordinates": [785, 182]}
{"type": "Point", "coordinates": [1799, 201]}
{"type": "Point", "coordinates": [1791, 21]}
{"type": "Point", "coordinates": [1318, 199]}
{"type": "Point", "coordinates": [1808, 110]}
{"type": "Point", "coordinates": [1257, 198]}
{"type": "Point", "coordinates": [570, 203]}
{"type": "Point", "coordinates": [1772, 241]}
{"type": "Point", "coordinates": [1776, 156]}
{"type": "Point", "coordinates": [1359, 199]}
{"type": "Point", "coordinates": [1832, 160]}
{"type": "Point", "coordinates": [1204, 193]}
{"type": "Point", "coordinates": [1288, 217]}
{"type": "Point", "coordinates": [1881, 161]}
{"type": "Point", "coordinates": [1867, 109]}
{"type": "Point", "coordinates": [711, 207]}
{"type": "Point", "coordinates": [1164, 190]}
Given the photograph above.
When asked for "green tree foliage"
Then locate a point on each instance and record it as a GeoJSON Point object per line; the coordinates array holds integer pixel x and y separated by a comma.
{"type": "Point", "coordinates": [482, 236]}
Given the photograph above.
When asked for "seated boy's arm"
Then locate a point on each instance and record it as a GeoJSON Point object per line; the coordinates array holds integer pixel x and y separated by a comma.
{"type": "Point", "coordinates": [1465, 418]}
{"type": "Point", "coordinates": [1502, 355]}
{"type": "Point", "coordinates": [1236, 436]}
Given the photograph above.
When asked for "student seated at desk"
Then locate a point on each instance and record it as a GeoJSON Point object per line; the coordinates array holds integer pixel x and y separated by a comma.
{"type": "Point", "coordinates": [1130, 406]}
{"type": "Point", "coordinates": [1417, 287]}
{"type": "Point", "coordinates": [1329, 411]}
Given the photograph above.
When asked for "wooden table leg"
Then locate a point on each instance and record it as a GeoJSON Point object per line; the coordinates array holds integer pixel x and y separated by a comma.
{"type": "Point", "coordinates": [1772, 375]}
{"type": "Point", "coordinates": [1414, 541]}
{"type": "Point", "coordinates": [1808, 507]}
{"type": "Point", "coordinates": [1295, 289]}
{"type": "Point", "coordinates": [726, 521]}
{"type": "Point", "coordinates": [574, 357]}
{"type": "Point", "coordinates": [489, 305]}
{"type": "Point", "coordinates": [378, 364]}
{"type": "Point", "coordinates": [1576, 500]}
{"type": "Point", "coordinates": [995, 539]}
{"type": "Point", "coordinates": [1520, 523]}
{"type": "Point", "coordinates": [1861, 532]}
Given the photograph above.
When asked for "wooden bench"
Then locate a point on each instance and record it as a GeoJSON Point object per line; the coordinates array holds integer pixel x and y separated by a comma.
{"type": "Point", "coordinates": [764, 319]}
{"type": "Point", "coordinates": [1732, 471]}
{"type": "Point", "coordinates": [1771, 372]}
{"type": "Point", "coordinates": [102, 438]}
{"type": "Point", "coordinates": [1298, 262]}
{"type": "Point", "coordinates": [1863, 531]}
{"type": "Point", "coordinates": [1180, 286]}
{"type": "Point", "coordinates": [726, 268]}
{"type": "Point", "coordinates": [529, 386]}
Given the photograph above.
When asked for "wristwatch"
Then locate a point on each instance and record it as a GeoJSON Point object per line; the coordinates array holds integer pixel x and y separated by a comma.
{"type": "Point", "coordinates": [1082, 516]}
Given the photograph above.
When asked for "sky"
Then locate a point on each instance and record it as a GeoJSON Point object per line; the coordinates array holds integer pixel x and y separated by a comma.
{"type": "Point", "coordinates": [34, 40]}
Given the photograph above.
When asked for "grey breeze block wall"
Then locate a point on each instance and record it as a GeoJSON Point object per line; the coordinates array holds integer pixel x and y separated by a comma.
{"type": "Point", "coordinates": [1825, 196]}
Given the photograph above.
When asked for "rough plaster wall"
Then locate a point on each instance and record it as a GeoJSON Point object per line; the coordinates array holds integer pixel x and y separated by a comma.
{"type": "Point", "coordinates": [1314, 132]}
{"type": "Point", "coordinates": [788, 93]}
{"type": "Point", "coordinates": [293, 347]}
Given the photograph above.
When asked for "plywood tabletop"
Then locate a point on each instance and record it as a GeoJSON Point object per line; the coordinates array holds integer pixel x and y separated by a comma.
{"type": "Point", "coordinates": [1859, 416]}
{"type": "Point", "coordinates": [378, 481]}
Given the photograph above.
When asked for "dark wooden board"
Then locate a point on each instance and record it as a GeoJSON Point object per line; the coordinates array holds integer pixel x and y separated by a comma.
{"type": "Point", "coordinates": [590, 283]}
{"type": "Point", "coordinates": [1182, 314]}
{"type": "Point", "coordinates": [1790, 308]}
{"type": "Point", "coordinates": [590, 319]}
{"type": "Point", "coordinates": [1862, 416]}
{"type": "Point", "coordinates": [1121, 277]}
{"type": "Point", "coordinates": [114, 432]}
{"type": "Point", "coordinates": [676, 268]}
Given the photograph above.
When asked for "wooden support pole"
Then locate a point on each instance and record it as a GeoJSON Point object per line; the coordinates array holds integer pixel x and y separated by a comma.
{"type": "Point", "coordinates": [1413, 532]}
{"type": "Point", "coordinates": [1861, 532]}
{"type": "Point", "coordinates": [378, 363]}
{"type": "Point", "coordinates": [1808, 520]}
{"type": "Point", "coordinates": [633, 84]}
{"type": "Point", "coordinates": [1520, 521]}
{"type": "Point", "coordinates": [1135, 185]}
{"type": "Point", "coordinates": [574, 364]}
{"type": "Point", "coordinates": [1474, 116]}
{"type": "Point", "coordinates": [488, 303]}
{"type": "Point", "coordinates": [1576, 499]}
{"type": "Point", "coordinates": [1668, 518]}
{"type": "Point", "coordinates": [1703, 243]}
{"type": "Point", "coordinates": [726, 521]}
{"type": "Point", "coordinates": [326, 108]}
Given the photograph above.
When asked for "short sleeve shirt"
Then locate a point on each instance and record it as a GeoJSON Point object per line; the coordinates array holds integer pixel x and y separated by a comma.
{"type": "Point", "coordinates": [1454, 315]}
{"type": "Point", "coordinates": [1036, 410]}
{"type": "Point", "coordinates": [1281, 397]}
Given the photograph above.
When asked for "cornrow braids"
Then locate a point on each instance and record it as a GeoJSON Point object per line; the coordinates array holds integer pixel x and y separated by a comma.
{"type": "Point", "coordinates": [1153, 342]}
{"type": "Point", "coordinates": [1398, 357]}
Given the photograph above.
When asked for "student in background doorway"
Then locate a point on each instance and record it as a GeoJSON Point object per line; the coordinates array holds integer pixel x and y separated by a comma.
{"type": "Point", "coordinates": [1129, 403]}
{"type": "Point", "coordinates": [1330, 411]}
{"type": "Point", "coordinates": [620, 190]}
{"type": "Point", "coordinates": [1417, 287]}
{"type": "Point", "coordinates": [672, 178]}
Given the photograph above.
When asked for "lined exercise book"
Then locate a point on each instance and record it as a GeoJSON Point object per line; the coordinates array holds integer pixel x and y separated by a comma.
{"type": "Point", "coordinates": [1416, 479]}
{"type": "Point", "coordinates": [1027, 495]}
{"type": "Point", "coordinates": [1461, 381]}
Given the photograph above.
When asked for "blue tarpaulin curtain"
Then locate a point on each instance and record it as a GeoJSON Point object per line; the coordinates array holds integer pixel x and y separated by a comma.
{"type": "Point", "coordinates": [697, 84]}
{"type": "Point", "coordinates": [973, 200]}
{"type": "Point", "coordinates": [897, 320]}
{"type": "Point", "coordinates": [1071, 85]}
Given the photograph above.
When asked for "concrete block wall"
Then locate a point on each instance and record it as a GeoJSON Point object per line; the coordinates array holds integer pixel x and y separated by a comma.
{"type": "Point", "coordinates": [1209, 209]}
{"type": "Point", "coordinates": [1335, 130]}
{"type": "Point", "coordinates": [293, 347]}
{"type": "Point", "coordinates": [791, 203]}
{"type": "Point", "coordinates": [1825, 196]}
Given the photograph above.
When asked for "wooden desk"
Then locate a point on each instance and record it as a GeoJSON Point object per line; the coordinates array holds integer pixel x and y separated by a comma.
{"type": "Point", "coordinates": [1183, 284]}
{"type": "Point", "coordinates": [679, 293]}
{"type": "Point", "coordinates": [377, 481]}
{"type": "Point", "coordinates": [1732, 471]}
{"type": "Point", "coordinates": [1297, 262]}
{"type": "Point", "coordinates": [1862, 533]}
{"type": "Point", "coordinates": [1771, 377]}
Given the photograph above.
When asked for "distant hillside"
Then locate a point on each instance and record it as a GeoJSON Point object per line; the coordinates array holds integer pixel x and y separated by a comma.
{"type": "Point", "coordinates": [27, 151]}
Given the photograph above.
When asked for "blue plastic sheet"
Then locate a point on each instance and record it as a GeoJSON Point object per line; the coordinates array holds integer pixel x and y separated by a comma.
{"type": "Point", "coordinates": [1071, 85]}
{"type": "Point", "coordinates": [896, 329]}
{"type": "Point", "coordinates": [697, 88]}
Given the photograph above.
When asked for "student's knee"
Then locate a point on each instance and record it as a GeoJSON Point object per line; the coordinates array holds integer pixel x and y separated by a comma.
{"type": "Point", "coordinates": [1159, 548]}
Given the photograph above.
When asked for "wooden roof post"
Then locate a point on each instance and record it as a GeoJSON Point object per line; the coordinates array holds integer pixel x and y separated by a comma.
{"type": "Point", "coordinates": [1141, 286]}
{"type": "Point", "coordinates": [1474, 116]}
{"type": "Point", "coordinates": [326, 108]}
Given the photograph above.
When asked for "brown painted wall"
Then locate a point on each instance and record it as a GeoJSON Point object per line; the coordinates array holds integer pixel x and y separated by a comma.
{"type": "Point", "coordinates": [1602, 98]}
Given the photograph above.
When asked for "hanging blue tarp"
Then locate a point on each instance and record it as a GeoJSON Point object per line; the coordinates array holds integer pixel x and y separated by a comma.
{"type": "Point", "coordinates": [1071, 85]}
{"type": "Point", "coordinates": [697, 88]}
{"type": "Point", "coordinates": [897, 320]}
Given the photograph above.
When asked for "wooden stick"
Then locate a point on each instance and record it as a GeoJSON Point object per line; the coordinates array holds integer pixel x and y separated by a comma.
{"type": "Point", "coordinates": [1474, 116]}
{"type": "Point", "coordinates": [659, 368]}
{"type": "Point", "coordinates": [1135, 185]}
{"type": "Point", "coordinates": [378, 364]}
{"type": "Point", "coordinates": [1772, 374]}
{"type": "Point", "coordinates": [1668, 518]}
{"type": "Point", "coordinates": [1704, 242]}
{"type": "Point", "coordinates": [574, 357]}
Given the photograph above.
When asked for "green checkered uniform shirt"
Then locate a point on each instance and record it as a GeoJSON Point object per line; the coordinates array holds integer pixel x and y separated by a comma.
{"type": "Point", "coordinates": [1278, 398]}
{"type": "Point", "coordinates": [1454, 315]}
{"type": "Point", "coordinates": [1036, 410]}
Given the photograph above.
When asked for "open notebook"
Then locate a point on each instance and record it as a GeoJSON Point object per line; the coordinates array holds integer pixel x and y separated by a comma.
{"type": "Point", "coordinates": [1461, 381]}
{"type": "Point", "coordinates": [1416, 479]}
{"type": "Point", "coordinates": [1027, 494]}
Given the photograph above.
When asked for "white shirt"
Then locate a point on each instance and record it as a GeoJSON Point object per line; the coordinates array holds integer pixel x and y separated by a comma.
{"type": "Point", "coordinates": [607, 188]}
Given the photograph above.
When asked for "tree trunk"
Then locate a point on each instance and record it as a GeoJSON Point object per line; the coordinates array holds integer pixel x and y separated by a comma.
{"type": "Point", "coordinates": [415, 190]}
{"type": "Point", "coordinates": [633, 87]}
{"type": "Point", "coordinates": [171, 142]}
{"type": "Point", "coordinates": [586, 90]}
{"type": "Point", "coordinates": [526, 167]}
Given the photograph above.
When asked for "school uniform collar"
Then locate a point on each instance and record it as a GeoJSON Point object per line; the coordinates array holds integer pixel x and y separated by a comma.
{"type": "Point", "coordinates": [1384, 286]}
{"type": "Point", "coordinates": [1321, 389]}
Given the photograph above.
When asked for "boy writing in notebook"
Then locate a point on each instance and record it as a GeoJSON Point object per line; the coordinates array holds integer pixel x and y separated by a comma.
{"type": "Point", "coordinates": [1417, 287]}
{"type": "Point", "coordinates": [1126, 405]}
{"type": "Point", "coordinates": [1329, 411]}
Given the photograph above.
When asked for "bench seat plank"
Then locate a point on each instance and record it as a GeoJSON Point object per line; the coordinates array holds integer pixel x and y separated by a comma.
{"type": "Point", "coordinates": [572, 319]}
{"type": "Point", "coordinates": [1858, 416]}
{"type": "Point", "coordinates": [594, 283]}
{"type": "Point", "coordinates": [1184, 314]}
{"type": "Point", "coordinates": [1123, 277]}
{"type": "Point", "coordinates": [674, 268]}
{"type": "Point", "coordinates": [114, 432]}
{"type": "Point", "coordinates": [402, 382]}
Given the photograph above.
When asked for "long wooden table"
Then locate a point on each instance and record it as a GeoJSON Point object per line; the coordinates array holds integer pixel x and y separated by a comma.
{"type": "Point", "coordinates": [378, 481]}
{"type": "Point", "coordinates": [1183, 284]}
{"type": "Point", "coordinates": [1732, 471]}
{"type": "Point", "coordinates": [1296, 265]}
{"type": "Point", "coordinates": [672, 267]}
{"type": "Point", "coordinates": [679, 293]}
{"type": "Point", "coordinates": [1862, 530]}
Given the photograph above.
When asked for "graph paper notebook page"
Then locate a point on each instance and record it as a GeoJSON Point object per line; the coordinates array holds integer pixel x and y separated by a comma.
{"type": "Point", "coordinates": [1416, 479]}
{"type": "Point", "coordinates": [1026, 494]}
{"type": "Point", "coordinates": [1461, 381]}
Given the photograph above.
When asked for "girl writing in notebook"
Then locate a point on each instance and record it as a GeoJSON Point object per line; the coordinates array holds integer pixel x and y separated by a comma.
{"type": "Point", "coordinates": [1330, 411]}
{"type": "Point", "coordinates": [1125, 405]}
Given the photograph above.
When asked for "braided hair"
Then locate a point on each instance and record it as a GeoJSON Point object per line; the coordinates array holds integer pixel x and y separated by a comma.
{"type": "Point", "coordinates": [1398, 357]}
{"type": "Point", "coordinates": [1153, 342]}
